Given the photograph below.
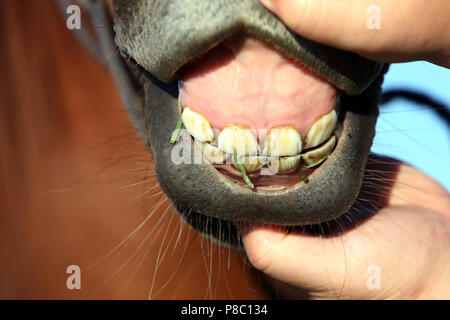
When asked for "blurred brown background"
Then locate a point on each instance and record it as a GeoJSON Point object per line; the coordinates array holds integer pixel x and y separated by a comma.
{"type": "Point", "coordinates": [75, 182]}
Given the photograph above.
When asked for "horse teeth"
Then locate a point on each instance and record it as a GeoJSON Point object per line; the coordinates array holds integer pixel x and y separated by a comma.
{"type": "Point", "coordinates": [321, 129]}
{"type": "Point", "coordinates": [212, 154]}
{"type": "Point", "coordinates": [283, 141]}
{"type": "Point", "coordinates": [285, 165]}
{"type": "Point", "coordinates": [250, 163]}
{"type": "Point", "coordinates": [321, 152]}
{"type": "Point", "coordinates": [240, 138]}
{"type": "Point", "coordinates": [283, 145]}
{"type": "Point", "coordinates": [197, 125]}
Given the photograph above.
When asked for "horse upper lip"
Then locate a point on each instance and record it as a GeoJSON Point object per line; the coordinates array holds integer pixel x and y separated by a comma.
{"type": "Point", "coordinates": [191, 29]}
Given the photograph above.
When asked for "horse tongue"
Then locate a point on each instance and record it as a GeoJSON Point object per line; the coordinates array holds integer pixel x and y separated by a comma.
{"type": "Point", "coordinates": [245, 81]}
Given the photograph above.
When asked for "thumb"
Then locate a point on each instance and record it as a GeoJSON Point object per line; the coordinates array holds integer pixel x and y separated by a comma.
{"type": "Point", "coordinates": [340, 23]}
{"type": "Point", "coordinates": [300, 260]}
{"type": "Point", "coordinates": [378, 32]}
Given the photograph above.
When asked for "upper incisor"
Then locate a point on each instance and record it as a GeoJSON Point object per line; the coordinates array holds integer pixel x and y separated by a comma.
{"type": "Point", "coordinates": [283, 141]}
{"type": "Point", "coordinates": [321, 129]}
{"type": "Point", "coordinates": [239, 137]}
{"type": "Point", "coordinates": [197, 125]}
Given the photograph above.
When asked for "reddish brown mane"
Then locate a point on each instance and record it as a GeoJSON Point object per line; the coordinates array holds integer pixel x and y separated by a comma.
{"type": "Point", "coordinates": [67, 195]}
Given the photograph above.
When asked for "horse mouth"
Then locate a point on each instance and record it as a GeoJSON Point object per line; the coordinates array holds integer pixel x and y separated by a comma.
{"type": "Point", "coordinates": [262, 150]}
{"type": "Point", "coordinates": [262, 120]}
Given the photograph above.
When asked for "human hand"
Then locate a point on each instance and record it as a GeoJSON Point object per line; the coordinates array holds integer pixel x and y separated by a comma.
{"type": "Point", "coordinates": [390, 31]}
{"type": "Point", "coordinates": [402, 230]}
{"type": "Point", "coordinates": [399, 234]}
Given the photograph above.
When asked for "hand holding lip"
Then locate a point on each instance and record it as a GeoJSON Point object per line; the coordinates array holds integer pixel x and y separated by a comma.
{"type": "Point", "coordinates": [407, 241]}
{"type": "Point", "coordinates": [345, 24]}
{"type": "Point", "coordinates": [406, 237]}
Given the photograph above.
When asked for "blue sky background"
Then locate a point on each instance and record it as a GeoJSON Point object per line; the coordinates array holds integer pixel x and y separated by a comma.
{"type": "Point", "coordinates": [411, 132]}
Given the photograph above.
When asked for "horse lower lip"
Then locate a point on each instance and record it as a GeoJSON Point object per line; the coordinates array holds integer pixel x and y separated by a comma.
{"type": "Point", "coordinates": [199, 187]}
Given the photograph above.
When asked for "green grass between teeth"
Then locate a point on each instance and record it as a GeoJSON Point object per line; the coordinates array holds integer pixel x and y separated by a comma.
{"type": "Point", "coordinates": [244, 174]}
{"type": "Point", "coordinates": [317, 163]}
{"type": "Point", "coordinates": [176, 132]}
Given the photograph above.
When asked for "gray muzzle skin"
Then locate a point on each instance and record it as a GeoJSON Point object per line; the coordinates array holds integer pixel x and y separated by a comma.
{"type": "Point", "coordinates": [162, 36]}
{"type": "Point", "coordinates": [159, 37]}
